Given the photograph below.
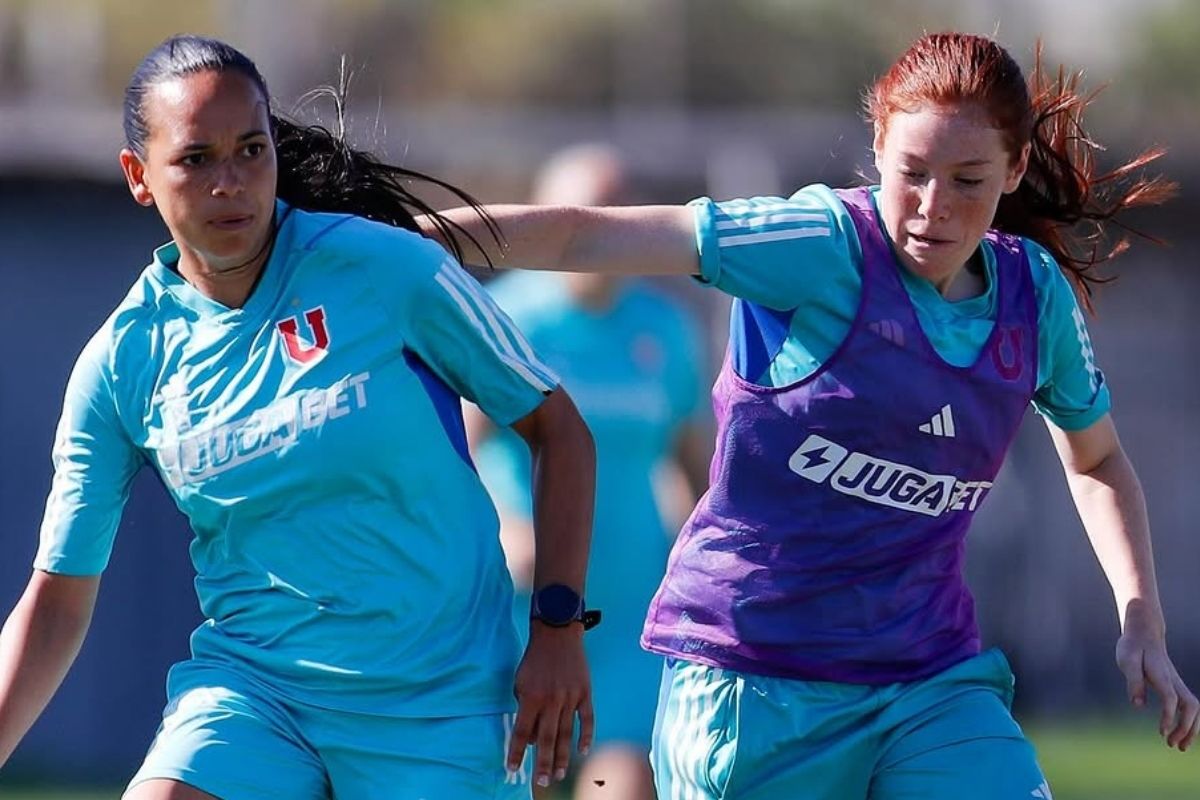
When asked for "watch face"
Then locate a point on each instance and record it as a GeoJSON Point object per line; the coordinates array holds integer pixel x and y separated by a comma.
{"type": "Point", "coordinates": [557, 604]}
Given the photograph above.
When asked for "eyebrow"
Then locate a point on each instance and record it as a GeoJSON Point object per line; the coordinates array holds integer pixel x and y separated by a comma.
{"type": "Point", "coordinates": [971, 162]}
{"type": "Point", "coordinates": [254, 134]}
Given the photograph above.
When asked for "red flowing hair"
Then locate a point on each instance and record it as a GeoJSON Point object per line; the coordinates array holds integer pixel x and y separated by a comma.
{"type": "Point", "coordinates": [1062, 203]}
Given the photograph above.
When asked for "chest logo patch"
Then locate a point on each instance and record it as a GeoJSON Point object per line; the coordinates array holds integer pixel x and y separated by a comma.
{"type": "Point", "coordinates": [882, 482]}
{"type": "Point", "coordinates": [312, 344]}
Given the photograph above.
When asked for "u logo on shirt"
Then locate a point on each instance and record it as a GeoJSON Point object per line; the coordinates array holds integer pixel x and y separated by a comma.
{"type": "Point", "coordinates": [1007, 356]}
{"type": "Point", "coordinates": [304, 352]}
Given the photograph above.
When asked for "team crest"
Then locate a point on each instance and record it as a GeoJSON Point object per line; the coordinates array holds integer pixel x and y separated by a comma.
{"type": "Point", "coordinates": [313, 344]}
{"type": "Point", "coordinates": [1007, 355]}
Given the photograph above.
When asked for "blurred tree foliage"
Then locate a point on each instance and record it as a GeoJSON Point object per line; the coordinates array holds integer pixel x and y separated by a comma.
{"type": "Point", "coordinates": [566, 54]}
{"type": "Point", "coordinates": [575, 53]}
{"type": "Point", "coordinates": [1165, 65]}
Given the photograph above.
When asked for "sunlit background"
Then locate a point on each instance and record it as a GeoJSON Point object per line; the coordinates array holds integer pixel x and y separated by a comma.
{"type": "Point", "coordinates": [718, 97]}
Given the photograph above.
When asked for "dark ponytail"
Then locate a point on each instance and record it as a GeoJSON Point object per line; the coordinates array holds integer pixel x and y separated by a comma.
{"type": "Point", "coordinates": [318, 170]}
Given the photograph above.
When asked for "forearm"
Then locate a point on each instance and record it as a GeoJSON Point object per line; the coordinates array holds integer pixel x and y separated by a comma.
{"type": "Point", "coordinates": [1113, 509]}
{"type": "Point", "coordinates": [38, 644]}
{"type": "Point", "coordinates": [564, 479]}
{"type": "Point", "coordinates": [630, 240]}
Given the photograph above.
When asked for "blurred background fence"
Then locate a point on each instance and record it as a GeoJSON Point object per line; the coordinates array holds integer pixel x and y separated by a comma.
{"type": "Point", "coordinates": [717, 97]}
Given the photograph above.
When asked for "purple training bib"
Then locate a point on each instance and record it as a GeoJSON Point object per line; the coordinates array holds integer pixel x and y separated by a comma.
{"type": "Point", "coordinates": [830, 545]}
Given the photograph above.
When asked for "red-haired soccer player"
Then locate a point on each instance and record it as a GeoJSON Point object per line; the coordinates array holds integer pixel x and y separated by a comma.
{"type": "Point", "coordinates": [885, 343]}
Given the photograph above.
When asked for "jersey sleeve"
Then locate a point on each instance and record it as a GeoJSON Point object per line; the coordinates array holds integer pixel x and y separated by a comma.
{"type": "Point", "coordinates": [94, 465]}
{"type": "Point", "coordinates": [457, 329]}
{"type": "Point", "coordinates": [1071, 391]}
{"type": "Point", "coordinates": [773, 251]}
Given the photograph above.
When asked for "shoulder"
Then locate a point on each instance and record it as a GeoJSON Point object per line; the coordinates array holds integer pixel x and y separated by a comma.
{"type": "Point", "coordinates": [1054, 292]}
{"type": "Point", "coordinates": [814, 213]}
{"type": "Point", "coordinates": [766, 249]}
{"type": "Point", "coordinates": [131, 328]}
{"type": "Point", "coordinates": [124, 343]}
{"type": "Point", "coordinates": [812, 205]}
{"type": "Point", "coordinates": [343, 238]}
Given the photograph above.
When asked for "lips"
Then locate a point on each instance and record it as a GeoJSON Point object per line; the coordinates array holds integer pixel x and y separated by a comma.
{"type": "Point", "coordinates": [929, 240]}
{"type": "Point", "coordinates": [229, 222]}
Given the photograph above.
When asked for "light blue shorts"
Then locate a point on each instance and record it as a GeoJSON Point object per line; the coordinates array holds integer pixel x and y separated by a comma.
{"type": "Point", "coordinates": [724, 735]}
{"type": "Point", "coordinates": [235, 739]}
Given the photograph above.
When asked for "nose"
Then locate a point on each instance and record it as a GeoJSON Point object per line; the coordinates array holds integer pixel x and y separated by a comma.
{"type": "Point", "coordinates": [934, 203]}
{"type": "Point", "coordinates": [228, 180]}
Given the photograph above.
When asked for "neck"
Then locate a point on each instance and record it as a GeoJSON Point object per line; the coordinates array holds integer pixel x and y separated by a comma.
{"type": "Point", "coordinates": [969, 280]}
{"type": "Point", "coordinates": [229, 283]}
{"type": "Point", "coordinates": [229, 286]}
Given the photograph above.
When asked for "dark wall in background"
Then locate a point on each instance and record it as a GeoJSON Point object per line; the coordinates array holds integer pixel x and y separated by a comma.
{"type": "Point", "coordinates": [68, 253]}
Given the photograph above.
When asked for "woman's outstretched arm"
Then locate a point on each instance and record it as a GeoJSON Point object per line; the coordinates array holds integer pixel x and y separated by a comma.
{"type": "Point", "coordinates": [616, 240]}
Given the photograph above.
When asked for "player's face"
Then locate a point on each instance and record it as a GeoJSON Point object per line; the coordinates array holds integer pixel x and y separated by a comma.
{"type": "Point", "coordinates": [209, 167]}
{"type": "Point", "coordinates": [942, 172]}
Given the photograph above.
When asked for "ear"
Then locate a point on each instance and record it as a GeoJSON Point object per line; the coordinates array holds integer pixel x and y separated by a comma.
{"type": "Point", "coordinates": [135, 176]}
{"type": "Point", "coordinates": [1017, 171]}
{"type": "Point", "coordinates": [877, 143]}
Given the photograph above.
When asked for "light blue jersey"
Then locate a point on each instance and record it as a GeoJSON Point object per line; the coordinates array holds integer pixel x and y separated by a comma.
{"type": "Point", "coordinates": [634, 371]}
{"type": "Point", "coordinates": [795, 260]}
{"type": "Point", "coordinates": [346, 552]}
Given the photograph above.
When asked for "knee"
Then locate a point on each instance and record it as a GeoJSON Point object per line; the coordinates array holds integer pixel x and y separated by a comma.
{"type": "Point", "coordinates": [615, 771]}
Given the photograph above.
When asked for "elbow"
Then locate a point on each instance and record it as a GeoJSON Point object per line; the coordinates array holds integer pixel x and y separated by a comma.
{"type": "Point", "coordinates": [62, 601]}
{"type": "Point", "coordinates": [586, 443]}
{"type": "Point", "coordinates": [571, 432]}
{"type": "Point", "coordinates": [1105, 465]}
{"type": "Point", "coordinates": [557, 427]}
{"type": "Point", "coordinates": [572, 247]}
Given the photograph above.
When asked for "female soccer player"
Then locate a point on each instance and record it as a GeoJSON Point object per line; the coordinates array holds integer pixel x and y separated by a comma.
{"type": "Point", "coordinates": [884, 344]}
{"type": "Point", "coordinates": [631, 358]}
{"type": "Point", "coordinates": [291, 364]}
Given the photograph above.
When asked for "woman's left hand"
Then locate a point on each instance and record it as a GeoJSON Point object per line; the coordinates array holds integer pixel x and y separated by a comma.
{"type": "Point", "coordinates": [552, 686]}
{"type": "Point", "coordinates": [1142, 657]}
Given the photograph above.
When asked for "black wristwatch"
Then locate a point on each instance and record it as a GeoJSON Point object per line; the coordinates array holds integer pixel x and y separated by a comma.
{"type": "Point", "coordinates": [558, 606]}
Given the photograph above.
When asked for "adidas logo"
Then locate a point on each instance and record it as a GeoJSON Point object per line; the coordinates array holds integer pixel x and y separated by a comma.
{"type": "Point", "coordinates": [1042, 792]}
{"type": "Point", "coordinates": [942, 423]}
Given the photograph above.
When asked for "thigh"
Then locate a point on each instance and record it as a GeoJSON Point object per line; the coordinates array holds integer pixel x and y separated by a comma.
{"type": "Point", "coordinates": [369, 757]}
{"type": "Point", "coordinates": [957, 738]}
{"type": "Point", "coordinates": [981, 769]}
{"type": "Point", "coordinates": [221, 737]}
{"type": "Point", "coordinates": [615, 771]}
{"type": "Point", "coordinates": [723, 735]}
{"type": "Point", "coordinates": [695, 731]}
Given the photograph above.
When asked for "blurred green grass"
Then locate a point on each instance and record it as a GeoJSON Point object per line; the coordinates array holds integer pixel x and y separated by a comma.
{"type": "Point", "coordinates": [1102, 760]}
{"type": "Point", "coordinates": [1083, 760]}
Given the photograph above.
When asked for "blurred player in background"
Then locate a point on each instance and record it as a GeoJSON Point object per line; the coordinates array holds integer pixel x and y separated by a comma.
{"type": "Point", "coordinates": [631, 358]}
{"type": "Point", "coordinates": [884, 345]}
{"type": "Point", "coordinates": [291, 365]}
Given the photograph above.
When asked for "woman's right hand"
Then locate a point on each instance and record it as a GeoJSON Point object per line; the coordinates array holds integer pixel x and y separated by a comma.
{"type": "Point", "coordinates": [553, 687]}
{"type": "Point", "coordinates": [1143, 659]}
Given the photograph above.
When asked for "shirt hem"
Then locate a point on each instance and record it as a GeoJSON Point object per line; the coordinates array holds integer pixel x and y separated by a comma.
{"type": "Point", "coordinates": [828, 674]}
